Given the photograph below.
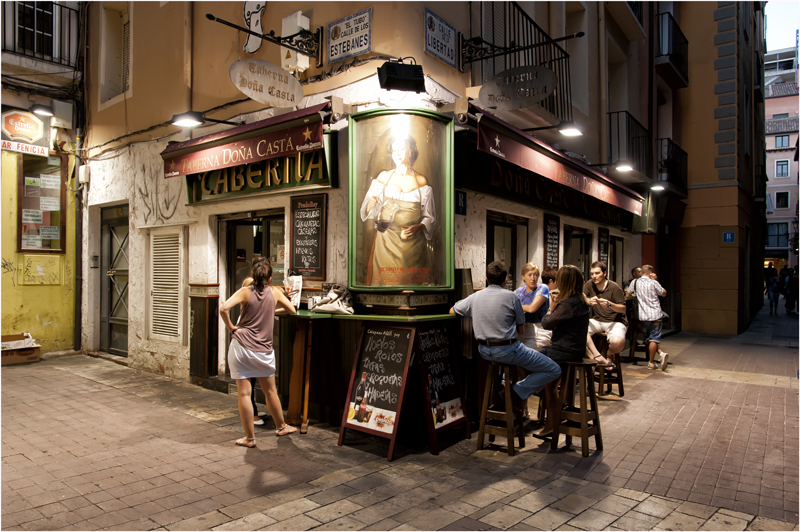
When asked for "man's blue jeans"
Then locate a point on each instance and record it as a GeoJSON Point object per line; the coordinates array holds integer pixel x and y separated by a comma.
{"type": "Point", "coordinates": [543, 369]}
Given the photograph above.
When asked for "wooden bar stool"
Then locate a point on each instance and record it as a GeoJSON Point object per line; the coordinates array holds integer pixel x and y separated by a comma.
{"type": "Point", "coordinates": [572, 420]}
{"type": "Point", "coordinates": [512, 420]}
{"type": "Point", "coordinates": [635, 331]}
{"type": "Point", "coordinates": [607, 377]}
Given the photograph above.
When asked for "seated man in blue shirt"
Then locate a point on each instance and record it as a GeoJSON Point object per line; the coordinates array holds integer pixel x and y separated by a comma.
{"type": "Point", "coordinates": [497, 319]}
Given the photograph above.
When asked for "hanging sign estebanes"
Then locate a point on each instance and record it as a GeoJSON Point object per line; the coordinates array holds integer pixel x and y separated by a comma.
{"type": "Point", "coordinates": [266, 83]}
{"type": "Point", "coordinates": [517, 88]}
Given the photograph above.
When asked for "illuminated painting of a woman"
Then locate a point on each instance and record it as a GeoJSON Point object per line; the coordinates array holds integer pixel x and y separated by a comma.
{"type": "Point", "coordinates": [400, 203]}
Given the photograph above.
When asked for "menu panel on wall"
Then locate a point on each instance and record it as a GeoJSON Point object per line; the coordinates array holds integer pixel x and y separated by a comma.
{"type": "Point", "coordinates": [439, 375]}
{"type": "Point", "coordinates": [602, 244]}
{"type": "Point", "coordinates": [307, 239]}
{"type": "Point", "coordinates": [552, 238]}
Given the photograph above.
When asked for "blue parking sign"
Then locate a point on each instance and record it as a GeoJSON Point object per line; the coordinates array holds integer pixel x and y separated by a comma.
{"type": "Point", "coordinates": [728, 237]}
{"type": "Point", "coordinates": [461, 202]}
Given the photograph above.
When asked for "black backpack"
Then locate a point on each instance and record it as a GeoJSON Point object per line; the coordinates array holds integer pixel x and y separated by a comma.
{"type": "Point", "coordinates": [632, 307]}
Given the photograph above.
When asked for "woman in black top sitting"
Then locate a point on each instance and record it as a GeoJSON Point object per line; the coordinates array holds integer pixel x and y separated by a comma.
{"type": "Point", "coordinates": [569, 321]}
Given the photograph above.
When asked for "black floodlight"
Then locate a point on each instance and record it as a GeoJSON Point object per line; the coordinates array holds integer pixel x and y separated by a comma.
{"type": "Point", "coordinates": [399, 76]}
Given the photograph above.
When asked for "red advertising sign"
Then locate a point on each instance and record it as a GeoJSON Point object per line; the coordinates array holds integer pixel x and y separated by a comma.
{"type": "Point", "coordinates": [492, 141]}
{"type": "Point", "coordinates": [22, 125]}
{"type": "Point", "coordinates": [281, 143]}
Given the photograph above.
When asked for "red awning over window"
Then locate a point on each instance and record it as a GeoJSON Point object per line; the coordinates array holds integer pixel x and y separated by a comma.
{"type": "Point", "coordinates": [506, 142]}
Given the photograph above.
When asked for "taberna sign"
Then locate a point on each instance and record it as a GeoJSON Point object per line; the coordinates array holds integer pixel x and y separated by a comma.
{"type": "Point", "coordinates": [266, 83]}
{"type": "Point", "coordinates": [518, 88]}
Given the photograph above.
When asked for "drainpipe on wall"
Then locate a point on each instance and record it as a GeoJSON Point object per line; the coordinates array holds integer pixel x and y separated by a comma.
{"type": "Point", "coordinates": [76, 344]}
{"type": "Point", "coordinates": [188, 46]}
{"type": "Point", "coordinates": [603, 107]}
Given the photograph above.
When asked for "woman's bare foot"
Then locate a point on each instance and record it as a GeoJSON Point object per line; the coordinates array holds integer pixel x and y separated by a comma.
{"type": "Point", "coordinates": [286, 429]}
{"type": "Point", "coordinates": [544, 433]}
{"type": "Point", "coordinates": [602, 360]}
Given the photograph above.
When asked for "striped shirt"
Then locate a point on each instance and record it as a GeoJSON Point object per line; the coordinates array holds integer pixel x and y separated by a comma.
{"type": "Point", "coordinates": [647, 291]}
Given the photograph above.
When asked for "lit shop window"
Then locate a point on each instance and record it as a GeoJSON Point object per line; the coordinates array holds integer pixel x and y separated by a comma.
{"type": "Point", "coordinates": [41, 216]}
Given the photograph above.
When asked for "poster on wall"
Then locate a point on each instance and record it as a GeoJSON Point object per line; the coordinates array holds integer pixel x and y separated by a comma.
{"type": "Point", "coordinates": [602, 244]}
{"type": "Point", "coordinates": [401, 209]}
{"type": "Point", "coordinates": [552, 236]}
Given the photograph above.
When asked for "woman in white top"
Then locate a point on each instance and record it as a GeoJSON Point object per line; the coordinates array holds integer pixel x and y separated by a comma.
{"type": "Point", "coordinates": [400, 201]}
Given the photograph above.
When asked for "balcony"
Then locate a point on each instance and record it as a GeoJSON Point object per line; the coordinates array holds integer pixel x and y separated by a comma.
{"type": "Point", "coordinates": [506, 24]}
{"type": "Point", "coordinates": [758, 78]}
{"type": "Point", "coordinates": [672, 52]}
{"type": "Point", "coordinates": [41, 37]}
{"type": "Point", "coordinates": [673, 166]}
{"type": "Point", "coordinates": [629, 142]}
{"type": "Point", "coordinates": [629, 16]}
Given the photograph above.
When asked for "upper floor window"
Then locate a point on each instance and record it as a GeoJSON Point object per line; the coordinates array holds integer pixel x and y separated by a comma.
{"type": "Point", "coordinates": [782, 141]}
{"type": "Point", "coordinates": [45, 31]}
{"type": "Point", "coordinates": [115, 52]}
{"type": "Point", "coordinates": [781, 115]}
{"type": "Point", "coordinates": [777, 235]}
{"type": "Point", "coordinates": [782, 200]}
{"type": "Point", "coordinates": [782, 168]}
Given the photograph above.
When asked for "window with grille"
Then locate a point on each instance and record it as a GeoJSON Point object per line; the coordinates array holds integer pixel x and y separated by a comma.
{"type": "Point", "coordinates": [781, 200]}
{"type": "Point", "coordinates": [35, 27]}
{"type": "Point", "coordinates": [166, 290]}
{"type": "Point", "coordinates": [777, 235]}
{"type": "Point", "coordinates": [782, 141]}
{"type": "Point", "coordinates": [782, 168]}
{"type": "Point", "coordinates": [126, 55]}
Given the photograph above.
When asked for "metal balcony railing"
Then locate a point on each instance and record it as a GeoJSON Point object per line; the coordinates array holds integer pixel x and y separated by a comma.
{"type": "Point", "coordinates": [629, 141]}
{"type": "Point", "coordinates": [506, 24]}
{"type": "Point", "coordinates": [672, 43]}
{"type": "Point", "coordinates": [638, 11]}
{"type": "Point", "coordinates": [45, 31]}
{"type": "Point", "coordinates": [673, 164]}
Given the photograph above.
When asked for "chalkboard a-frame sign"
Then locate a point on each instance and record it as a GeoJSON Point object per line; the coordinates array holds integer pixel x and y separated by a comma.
{"type": "Point", "coordinates": [307, 239]}
{"type": "Point", "coordinates": [378, 381]}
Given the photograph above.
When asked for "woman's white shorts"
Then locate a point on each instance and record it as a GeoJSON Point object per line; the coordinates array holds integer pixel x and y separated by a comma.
{"type": "Point", "coordinates": [246, 364]}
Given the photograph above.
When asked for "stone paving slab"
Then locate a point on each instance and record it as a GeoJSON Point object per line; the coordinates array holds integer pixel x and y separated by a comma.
{"type": "Point", "coordinates": [90, 445]}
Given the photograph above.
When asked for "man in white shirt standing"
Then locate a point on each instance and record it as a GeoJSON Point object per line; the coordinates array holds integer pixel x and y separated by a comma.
{"type": "Point", "coordinates": [647, 290]}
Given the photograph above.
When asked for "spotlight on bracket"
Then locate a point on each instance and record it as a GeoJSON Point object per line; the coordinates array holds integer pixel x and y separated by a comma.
{"type": "Point", "coordinates": [396, 75]}
{"type": "Point", "coordinates": [41, 110]}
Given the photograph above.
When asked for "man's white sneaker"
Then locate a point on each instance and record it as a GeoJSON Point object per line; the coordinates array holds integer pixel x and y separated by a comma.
{"type": "Point", "coordinates": [664, 358]}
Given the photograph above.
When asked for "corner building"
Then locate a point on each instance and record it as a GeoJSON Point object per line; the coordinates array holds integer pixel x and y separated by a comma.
{"type": "Point", "coordinates": [507, 185]}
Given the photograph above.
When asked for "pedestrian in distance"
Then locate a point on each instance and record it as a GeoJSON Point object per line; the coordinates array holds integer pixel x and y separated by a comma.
{"type": "Point", "coordinates": [647, 289]}
{"type": "Point", "coordinates": [791, 291]}
{"type": "Point", "coordinates": [568, 319]}
{"type": "Point", "coordinates": [250, 352]}
{"type": "Point", "coordinates": [635, 274]}
{"type": "Point", "coordinates": [607, 301]}
{"type": "Point", "coordinates": [498, 320]}
{"type": "Point", "coordinates": [773, 291]}
{"type": "Point", "coordinates": [769, 273]}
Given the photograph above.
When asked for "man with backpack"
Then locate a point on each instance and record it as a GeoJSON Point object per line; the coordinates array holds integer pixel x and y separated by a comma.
{"type": "Point", "coordinates": [647, 290]}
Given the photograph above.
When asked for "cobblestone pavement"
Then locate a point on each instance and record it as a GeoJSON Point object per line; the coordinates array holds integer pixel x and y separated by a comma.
{"type": "Point", "coordinates": [710, 444]}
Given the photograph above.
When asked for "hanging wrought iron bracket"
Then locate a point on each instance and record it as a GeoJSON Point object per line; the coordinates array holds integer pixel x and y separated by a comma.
{"type": "Point", "coordinates": [477, 49]}
{"type": "Point", "coordinates": [303, 42]}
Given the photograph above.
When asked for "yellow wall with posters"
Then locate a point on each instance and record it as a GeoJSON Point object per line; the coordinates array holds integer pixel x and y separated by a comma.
{"type": "Point", "coordinates": [45, 311]}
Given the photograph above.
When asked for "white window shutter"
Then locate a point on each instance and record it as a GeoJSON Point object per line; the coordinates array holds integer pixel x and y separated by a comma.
{"type": "Point", "coordinates": [126, 55]}
{"type": "Point", "coordinates": [166, 285]}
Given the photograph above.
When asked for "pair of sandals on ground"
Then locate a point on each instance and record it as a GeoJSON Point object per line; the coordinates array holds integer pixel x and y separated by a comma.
{"type": "Point", "coordinates": [251, 442]}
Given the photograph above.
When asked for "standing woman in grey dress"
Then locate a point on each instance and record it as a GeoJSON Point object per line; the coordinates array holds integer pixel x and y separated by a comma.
{"type": "Point", "coordinates": [250, 353]}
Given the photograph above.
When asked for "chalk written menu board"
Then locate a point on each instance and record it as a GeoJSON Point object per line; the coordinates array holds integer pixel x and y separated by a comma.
{"type": "Point", "coordinates": [439, 376]}
{"type": "Point", "coordinates": [308, 235]}
{"type": "Point", "coordinates": [552, 237]}
{"type": "Point", "coordinates": [378, 381]}
{"type": "Point", "coordinates": [602, 244]}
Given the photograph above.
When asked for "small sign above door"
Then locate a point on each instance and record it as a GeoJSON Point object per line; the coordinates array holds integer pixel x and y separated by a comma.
{"type": "Point", "coordinates": [266, 83]}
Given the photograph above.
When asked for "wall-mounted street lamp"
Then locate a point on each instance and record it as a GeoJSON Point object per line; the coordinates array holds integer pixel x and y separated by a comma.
{"type": "Point", "coordinates": [621, 166]}
{"type": "Point", "coordinates": [195, 118]}
{"type": "Point", "coordinates": [657, 188]}
{"type": "Point", "coordinates": [568, 128]}
{"type": "Point", "coordinates": [41, 110]}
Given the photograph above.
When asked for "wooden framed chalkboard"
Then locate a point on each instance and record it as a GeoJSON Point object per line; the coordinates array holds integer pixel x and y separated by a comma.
{"type": "Point", "coordinates": [378, 381]}
{"type": "Point", "coordinates": [602, 245]}
{"type": "Point", "coordinates": [552, 238]}
{"type": "Point", "coordinates": [307, 238]}
{"type": "Point", "coordinates": [438, 371]}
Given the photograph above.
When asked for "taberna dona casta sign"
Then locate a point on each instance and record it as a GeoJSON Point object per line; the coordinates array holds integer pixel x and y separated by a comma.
{"type": "Point", "coordinates": [517, 88]}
